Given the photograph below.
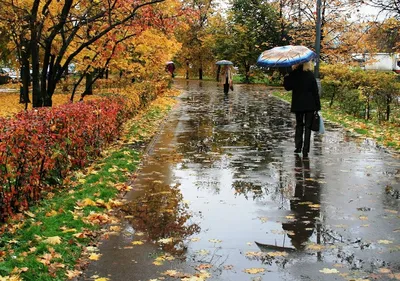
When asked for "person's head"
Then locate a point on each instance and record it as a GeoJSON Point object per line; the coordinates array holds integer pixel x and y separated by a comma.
{"type": "Point", "coordinates": [307, 66]}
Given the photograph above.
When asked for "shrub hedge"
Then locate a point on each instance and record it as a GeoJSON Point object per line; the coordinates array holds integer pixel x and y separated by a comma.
{"type": "Point", "coordinates": [39, 147]}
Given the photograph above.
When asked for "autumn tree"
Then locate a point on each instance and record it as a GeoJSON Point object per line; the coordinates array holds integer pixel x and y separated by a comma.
{"type": "Point", "coordinates": [254, 26]}
{"type": "Point", "coordinates": [195, 53]}
{"type": "Point", "coordinates": [61, 30]}
{"type": "Point", "coordinates": [385, 36]}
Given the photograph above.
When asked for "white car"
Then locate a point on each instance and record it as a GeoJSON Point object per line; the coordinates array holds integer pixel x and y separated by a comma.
{"type": "Point", "coordinates": [14, 76]}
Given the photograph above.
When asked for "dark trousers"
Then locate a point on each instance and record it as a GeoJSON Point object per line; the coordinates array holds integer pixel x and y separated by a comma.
{"type": "Point", "coordinates": [226, 86]}
{"type": "Point", "coordinates": [303, 119]}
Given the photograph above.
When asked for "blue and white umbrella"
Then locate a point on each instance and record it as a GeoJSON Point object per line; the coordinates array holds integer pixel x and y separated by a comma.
{"type": "Point", "coordinates": [285, 56]}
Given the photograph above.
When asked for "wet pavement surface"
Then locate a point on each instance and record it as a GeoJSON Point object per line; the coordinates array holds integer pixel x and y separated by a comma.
{"type": "Point", "coordinates": [221, 196]}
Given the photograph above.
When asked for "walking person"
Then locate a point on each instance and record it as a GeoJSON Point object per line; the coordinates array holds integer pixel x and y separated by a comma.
{"type": "Point", "coordinates": [305, 101]}
{"type": "Point", "coordinates": [227, 77]}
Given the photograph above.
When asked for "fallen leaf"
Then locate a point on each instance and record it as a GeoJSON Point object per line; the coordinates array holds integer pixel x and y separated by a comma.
{"type": "Point", "coordinates": [94, 257]}
{"type": "Point", "coordinates": [254, 270]}
{"type": "Point", "coordinates": [203, 266]}
{"type": "Point", "coordinates": [215, 241]}
{"type": "Point", "coordinates": [102, 279]}
{"type": "Point", "coordinates": [53, 240]}
{"type": "Point", "coordinates": [278, 254]}
{"type": "Point", "coordinates": [137, 243]}
{"type": "Point", "coordinates": [384, 270]}
{"type": "Point", "coordinates": [385, 242]}
{"type": "Point", "coordinates": [329, 271]}
{"type": "Point", "coordinates": [51, 213]}
{"type": "Point", "coordinates": [73, 273]}
{"type": "Point", "coordinates": [30, 214]}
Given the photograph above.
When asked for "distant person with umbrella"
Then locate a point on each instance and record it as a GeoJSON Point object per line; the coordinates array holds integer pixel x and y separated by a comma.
{"type": "Point", "coordinates": [225, 69]}
{"type": "Point", "coordinates": [170, 67]}
{"type": "Point", "coordinates": [302, 83]}
{"type": "Point", "coordinates": [305, 101]}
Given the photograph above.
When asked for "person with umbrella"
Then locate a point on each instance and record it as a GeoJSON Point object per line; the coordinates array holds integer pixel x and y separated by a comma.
{"type": "Point", "coordinates": [305, 101]}
{"type": "Point", "coordinates": [170, 67]}
{"type": "Point", "coordinates": [226, 74]}
{"type": "Point", "coordinates": [302, 83]}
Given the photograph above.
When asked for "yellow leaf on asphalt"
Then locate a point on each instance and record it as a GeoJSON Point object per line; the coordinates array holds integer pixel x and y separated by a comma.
{"type": "Point", "coordinates": [53, 240]}
{"type": "Point", "coordinates": [171, 273]}
{"type": "Point", "coordinates": [215, 241]}
{"type": "Point", "coordinates": [203, 266]}
{"type": "Point", "coordinates": [363, 218]}
{"type": "Point", "coordinates": [254, 254]}
{"type": "Point", "coordinates": [102, 279]}
{"type": "Point", "coordinates": [385, 242]}
{"type": "Point", "coordinates": [137, 243]}
{"type": "Point", "coordinates": [278, 254]}
{"type": "Point", "coordinates": [329, 271]}
{"type": "Point", "coordinates": [94, 257]}
{"type": "Point", "coordinates": [254, 270]}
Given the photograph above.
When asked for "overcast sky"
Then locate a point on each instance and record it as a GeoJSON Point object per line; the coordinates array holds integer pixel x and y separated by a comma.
{"type": "Point", "coordinates": [365, 11]}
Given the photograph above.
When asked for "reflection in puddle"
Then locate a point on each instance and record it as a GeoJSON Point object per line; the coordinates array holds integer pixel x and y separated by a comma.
{"type": "Point", "coordinates": [162, 215]}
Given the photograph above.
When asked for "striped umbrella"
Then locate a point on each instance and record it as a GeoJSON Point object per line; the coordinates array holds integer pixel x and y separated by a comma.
{"type": "Point", "coordinates": [285, 56]}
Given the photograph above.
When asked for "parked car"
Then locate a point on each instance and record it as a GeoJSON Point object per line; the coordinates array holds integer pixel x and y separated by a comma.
{"type": "Point", "coordinates": [13, 74]}
{"type": "Point", "coordinates": [9, 75]}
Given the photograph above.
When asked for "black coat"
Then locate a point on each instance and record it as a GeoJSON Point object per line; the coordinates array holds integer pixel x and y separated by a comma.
{"type": "Point", "coordinates": [304, 88]}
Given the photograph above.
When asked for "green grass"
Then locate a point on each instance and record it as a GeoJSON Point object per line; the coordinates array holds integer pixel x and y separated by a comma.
{"type": "Point", "coordinates": [384, 134]}
{"type": "Point", "coordinates": [59, 215]}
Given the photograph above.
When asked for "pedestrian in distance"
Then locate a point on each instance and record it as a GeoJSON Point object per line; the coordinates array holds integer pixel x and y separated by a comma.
{"type": "Point", "coordinates": [227, 76]}
{"type": "Point", "coordinates": [305, 101]}
{"type": "Point", "coordinates": [170, 67]}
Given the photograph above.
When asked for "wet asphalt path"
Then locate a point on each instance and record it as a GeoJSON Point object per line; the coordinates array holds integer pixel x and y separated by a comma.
{"type": "Point", "coordinates": [221, 176]}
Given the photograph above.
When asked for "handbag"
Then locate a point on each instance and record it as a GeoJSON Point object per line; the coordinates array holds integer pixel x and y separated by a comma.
{"type": "Point", "coordinates": [321, 125]}
{"type": "Point", "coordinates": [315, 122]}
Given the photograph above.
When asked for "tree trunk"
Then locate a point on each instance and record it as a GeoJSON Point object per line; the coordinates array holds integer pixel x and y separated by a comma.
{"type": "Point", "coordinates": [247, 75]}
{"type": "Point", "coordinates": [201, 73]}
{"type": "Point", "coordinates": [89, 84]}
{"type": "Point", "coordinates": [388, 101]}
{"type": "Point", "coordinates": [25, 77]}
{"type": "Point", "coordinates": [34, 47]}
{"type": "Point", "coordinates": [187, 70]}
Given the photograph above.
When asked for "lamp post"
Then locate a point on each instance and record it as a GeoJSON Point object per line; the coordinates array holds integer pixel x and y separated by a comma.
{"type": "Point", "coordinates": [318, 44]}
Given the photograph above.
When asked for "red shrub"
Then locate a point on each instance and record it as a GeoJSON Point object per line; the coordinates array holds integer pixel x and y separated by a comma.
{"type": "Point", "coordinates": [40, 147]}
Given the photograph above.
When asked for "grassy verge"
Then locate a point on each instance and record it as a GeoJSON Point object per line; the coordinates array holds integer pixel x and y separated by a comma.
{"type": "Point", "coordinates": [385, 134]}
{"type": "Point", "coordinates": [55, 239]}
